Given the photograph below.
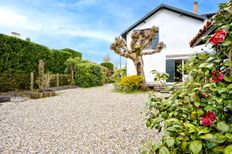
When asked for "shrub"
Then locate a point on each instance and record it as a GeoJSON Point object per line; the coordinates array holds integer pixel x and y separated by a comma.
{"type": "Point", "coordinates": [89, 75]}
{"type": "Point", "coordinates": [196, 118]}
{"type": "Point", "coordinates": [118, 75]}
{"type": "Point", "coordinates": [160, 77]}
{"type": "Point", "coordinates": [73, 53]}
{"type": "Point", "coordinates": [73, 61]}
{"type": "Point", "coordinates": [108, 74]}
{"type": "Point", "coordinates": [10, 82]}
{"type": "Point", "coordinates": [129, 83]}
{"type": "Point", "coordinates": [110, 66]}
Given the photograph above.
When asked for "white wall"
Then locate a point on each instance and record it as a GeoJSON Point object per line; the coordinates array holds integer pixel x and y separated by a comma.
{"type": "Point", "coordinates": [176, 31]}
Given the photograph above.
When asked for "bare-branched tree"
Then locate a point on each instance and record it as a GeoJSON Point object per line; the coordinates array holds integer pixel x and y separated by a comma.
{"type": "Point", "coordinates": [140, 40]}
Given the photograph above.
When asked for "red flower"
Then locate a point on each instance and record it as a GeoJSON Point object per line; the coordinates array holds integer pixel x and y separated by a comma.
{"type": "Point", "coordinates": [214, 72]}
{"type": "Point", "coordinates": [210, 115]}
{"type": "Point", "coordinates": [217, 76]}
{"type": "Point", "coordinates": [205, 121]}
{"type": "Point", "coordinates": [218, 37]}
{"type": "Point", "coordinates": [208, 118]}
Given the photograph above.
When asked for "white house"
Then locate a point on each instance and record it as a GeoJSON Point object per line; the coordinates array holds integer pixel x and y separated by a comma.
{"type": "Point", "coordinates": [176, 28]}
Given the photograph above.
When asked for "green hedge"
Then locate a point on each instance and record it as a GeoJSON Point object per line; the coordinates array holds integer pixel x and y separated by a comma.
{"type": "Point", "coordinates": [110, 66]}
{"type": "Point", "coordinates": [73, 52]}
{"type": "Point", "coordinates": [22, 57]}
{"type": "Point", "coordinates": [89, 75]}
{"type": "Point", "coordinates": [57, 59]}
{"type": "Point", "coordinates": [19, 56]}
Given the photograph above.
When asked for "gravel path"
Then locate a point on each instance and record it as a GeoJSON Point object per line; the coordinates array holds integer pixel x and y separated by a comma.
{"type": "Point", "coordinates": [93, 120]}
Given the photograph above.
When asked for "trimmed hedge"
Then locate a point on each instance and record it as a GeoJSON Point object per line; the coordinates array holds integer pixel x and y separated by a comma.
{"type": "Point", "coordinates": [19, 56]}
{"type": "Point", "coordinates": [22, 57]}
{"type": "Point", "coordinates": [110, 66]}
{"type": "Point", "coordinates": [56, 62]}
{"type": "Point", "coordinates": [89, 75]}
{"type": "Point", "coordinates": [73, 52]}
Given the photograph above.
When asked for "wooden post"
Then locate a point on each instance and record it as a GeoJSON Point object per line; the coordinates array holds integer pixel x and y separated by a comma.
{"type": "Point", "coordinates": [41, 76]}
{"type": "Point", "coordinates": [32, 81]}
{"type": "Point", "coordinates": [57, 80]}
{"type": "Point", "coordinates": [72, 73]}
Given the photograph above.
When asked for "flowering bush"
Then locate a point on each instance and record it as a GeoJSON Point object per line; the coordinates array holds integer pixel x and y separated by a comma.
{"type": "Point", "coordinates": [197, 117]}
{"type": "Point", "coordinates": [218, 37]}
{"type": "Point", "coordinates": [129, 83]}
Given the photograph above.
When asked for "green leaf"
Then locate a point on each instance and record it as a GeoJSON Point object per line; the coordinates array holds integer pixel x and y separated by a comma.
{"type": "Point", "coordinates": [229, 86]}
{"type": "Point", "coordinates": [228, 149]}
{"type": "Point", "coordinates": [229, 136]}
{"type": "Point", "coordinates": [170, 141]}
{"type": "Point", "coordinates": [207, 85]}
{"type": "Point", "coordinates": [191, 128]}
{"type": "Point", "coordinates": [164, 150]}
{"type": "Point", "coordinates": [222, 126]}
{"type": "Point", "coordinates": [202, 131]}
{"type": "Point", "coordinates": [219, 99]}
{"type": "Point", "coordinates": [219, 149]}
{"type": "Point", "coordinates": [155, 147]}
{"type": "Point", "coordinates": [219, 138]}
{"type": "Point", "coordinates": [209, 108]}
{"type": "Point", "coordinates": [203, 65]}
{"type": "Point", "coordinates": [195, 146]}
{"type": "Point", "coordinates": [172, 129]}
{"type": "Point", "coordinates": [207, 137]}
{"type": "Point", "coordinates": [184, 145]}
{"type": "Point", "coordinates": [228, 63]}
{"type": "Point", "coordinates": [228, 78]}
{"type": "Point", "coordinates": [222, 90]}
{"type": "Point", "coordinates": [227, 41]}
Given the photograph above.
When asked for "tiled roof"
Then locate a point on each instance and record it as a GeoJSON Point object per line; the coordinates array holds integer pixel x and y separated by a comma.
{"type": "Point", "coordinates": [208, 26]}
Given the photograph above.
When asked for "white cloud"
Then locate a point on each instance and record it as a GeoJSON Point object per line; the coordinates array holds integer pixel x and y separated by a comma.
{"type": "Point", "coordinates": [78, 4]}
{"type": "Point", "coordinates": [46, 25]}
{"type": "Point", "coordinates": [10, 18]}
{"type": "Point", "coordinates": [87, 33]}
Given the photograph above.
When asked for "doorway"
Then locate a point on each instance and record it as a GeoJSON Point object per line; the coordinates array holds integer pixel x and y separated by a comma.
{"type": "Point", "coordinates": [173, 69]}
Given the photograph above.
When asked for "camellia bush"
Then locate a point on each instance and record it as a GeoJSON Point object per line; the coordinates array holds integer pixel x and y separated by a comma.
{"type": "Point", "coordinates": [197, 117]}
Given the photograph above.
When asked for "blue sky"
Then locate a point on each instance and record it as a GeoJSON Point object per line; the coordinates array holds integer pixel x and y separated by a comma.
{"type": "Point", "coordinates": [88, 26]}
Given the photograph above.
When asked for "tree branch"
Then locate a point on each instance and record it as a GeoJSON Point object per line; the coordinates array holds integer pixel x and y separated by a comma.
{"type": "Point", "coordinates": [119, 47]}
{"type": "Point", "coordinates": [158, 49]}
{"type": "Point", "coordinates": [148, 36]}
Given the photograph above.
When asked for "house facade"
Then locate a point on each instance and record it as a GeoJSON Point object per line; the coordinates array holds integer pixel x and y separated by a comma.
{"type": "Point", "coordinates": [176, 28]}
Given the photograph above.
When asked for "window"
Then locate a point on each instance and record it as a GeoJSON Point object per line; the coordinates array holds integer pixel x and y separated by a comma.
{"type": "Point", "coordinates": [153, 43]}
{"type": "Point", "coordinates": [173, 69]}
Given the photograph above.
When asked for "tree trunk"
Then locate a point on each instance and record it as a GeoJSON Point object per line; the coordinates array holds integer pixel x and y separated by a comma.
{"type": "Point", "coordinates": [138, 62]}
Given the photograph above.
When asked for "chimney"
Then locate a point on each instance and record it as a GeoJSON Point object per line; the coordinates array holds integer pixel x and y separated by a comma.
{"type": "Point", "coordinates": [195, 5]}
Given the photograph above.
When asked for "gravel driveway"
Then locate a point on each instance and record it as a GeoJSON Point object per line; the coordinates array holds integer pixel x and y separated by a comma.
{"type": "Point", "coordinates": [93, 120]}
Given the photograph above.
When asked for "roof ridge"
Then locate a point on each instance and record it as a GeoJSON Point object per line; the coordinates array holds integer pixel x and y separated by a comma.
{"type": "Point", "coordinates": [164, 6]}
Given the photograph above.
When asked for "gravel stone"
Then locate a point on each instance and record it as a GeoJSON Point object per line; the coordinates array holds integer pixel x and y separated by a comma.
{"type": "Point", "coordinates": [92, 120]}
